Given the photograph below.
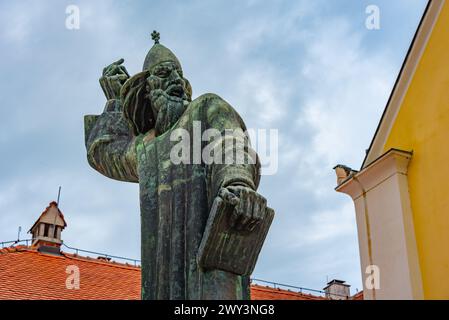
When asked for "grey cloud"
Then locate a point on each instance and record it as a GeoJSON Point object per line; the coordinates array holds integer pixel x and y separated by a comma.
{"type": "Point", "coordinates": [236, 49]}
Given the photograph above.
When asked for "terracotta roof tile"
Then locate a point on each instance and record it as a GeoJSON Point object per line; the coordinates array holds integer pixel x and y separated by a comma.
{"type": "Point", "coordinates": [268, 293]}
{"type": "Point", "coordinates": [358, 296]}
{"type": "Point", "coordinates": [28, 274]}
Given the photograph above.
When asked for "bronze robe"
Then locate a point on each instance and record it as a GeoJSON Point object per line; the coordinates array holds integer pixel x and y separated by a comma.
{"type": "Point", "coordinates": [175, 199]}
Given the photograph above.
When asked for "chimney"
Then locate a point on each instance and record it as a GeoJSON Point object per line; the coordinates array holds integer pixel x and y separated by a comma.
{"type": "Point", "coordinates": [337, 290]}
{"type": "Point", "coordinates": [47, 230]}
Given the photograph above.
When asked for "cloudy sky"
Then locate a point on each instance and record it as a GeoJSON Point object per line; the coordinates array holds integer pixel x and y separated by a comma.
{"type": "Point", "coordinates": [310, 69]}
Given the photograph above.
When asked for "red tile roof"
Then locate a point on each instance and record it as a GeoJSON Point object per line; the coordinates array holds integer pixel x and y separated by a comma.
{"type": "Point", "coordinates": [268, 293]}
{"type": "Point", "coordinates": [358, 296]}
{"type": "Point", "coordinates": [26, 273]}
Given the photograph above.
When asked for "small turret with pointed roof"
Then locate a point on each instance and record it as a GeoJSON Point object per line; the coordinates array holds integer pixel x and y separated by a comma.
{"type": "Point", "coordinates": [47, 229]}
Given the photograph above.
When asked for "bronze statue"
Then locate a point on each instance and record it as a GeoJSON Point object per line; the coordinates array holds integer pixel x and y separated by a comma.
{"type": "Point", "coordinates": [132, 141]}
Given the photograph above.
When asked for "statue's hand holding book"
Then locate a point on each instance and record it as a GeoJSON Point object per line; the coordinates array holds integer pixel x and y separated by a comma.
{"type": "Point", "coordinates": [249, 207]}
{"type": "Point", "coordinates": [236, 229]}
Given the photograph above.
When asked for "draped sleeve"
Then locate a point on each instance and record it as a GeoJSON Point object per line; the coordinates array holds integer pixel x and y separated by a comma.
{"type": "Point", "coordinates": [243, 167]}
{"type": "Point", "coordinates": [110, 143]}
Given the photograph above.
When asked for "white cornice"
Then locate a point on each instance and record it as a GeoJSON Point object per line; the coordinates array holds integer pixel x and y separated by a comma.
{"type": "Point", "coordinates": [392, 162]}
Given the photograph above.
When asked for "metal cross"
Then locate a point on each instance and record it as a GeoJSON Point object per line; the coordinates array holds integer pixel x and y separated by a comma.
{"type": "Point", "coordinates": [155, 36]}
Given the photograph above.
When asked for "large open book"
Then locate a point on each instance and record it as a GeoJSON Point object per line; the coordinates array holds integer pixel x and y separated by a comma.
{"type": "Point", "coordinates": [223, 248]}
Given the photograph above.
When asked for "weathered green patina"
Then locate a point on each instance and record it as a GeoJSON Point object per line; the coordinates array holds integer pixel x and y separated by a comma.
{"type": "Point", "coordinates": [132, 141]}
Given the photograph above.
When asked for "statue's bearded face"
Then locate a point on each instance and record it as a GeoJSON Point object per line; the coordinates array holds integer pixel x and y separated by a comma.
{"type": "Point", "coordinates": [169, 93]}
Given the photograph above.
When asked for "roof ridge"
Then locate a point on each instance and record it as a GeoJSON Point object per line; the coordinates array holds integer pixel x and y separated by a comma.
{"type": "Point", "coordinates": [14, 249]}
{"type": "Point", "coordinates": [66, 255]}
{"type": "Point", "coordinates": [283, 291]}
{"type": "Point", "coordinates": [96, 261]}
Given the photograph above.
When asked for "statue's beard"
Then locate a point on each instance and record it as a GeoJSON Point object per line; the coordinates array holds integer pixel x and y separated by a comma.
{"type": "Point", "coordinates": [168, 109]}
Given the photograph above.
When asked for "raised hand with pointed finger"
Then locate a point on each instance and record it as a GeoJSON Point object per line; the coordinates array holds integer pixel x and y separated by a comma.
{"type": "Point", "coordinates": [113, 78]}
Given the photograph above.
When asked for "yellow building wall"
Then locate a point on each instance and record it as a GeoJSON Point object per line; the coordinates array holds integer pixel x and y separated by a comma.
{"type": "Point", "coordinates": [422, 125]}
